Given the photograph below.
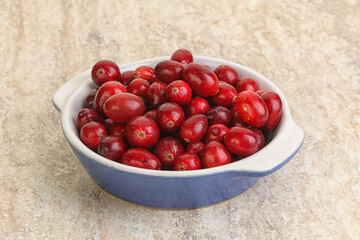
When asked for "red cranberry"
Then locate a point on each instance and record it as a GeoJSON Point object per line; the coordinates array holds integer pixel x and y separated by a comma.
{"type": "Point", "coordinates": [216, 132]}
{"type": "Point", "coordinates": [92, 133]}
{"type": "Point", "coordinates": [112, 147]}
{"type": "Point", "coordinates": [107, 90]}
{"type": "Point", "coordinates": [226, 95]}
{"type": "Point", "coordinates": [197, 105]}
{"type": "Point", "coordinates": [236, 119]}
{"type": "Point", "coordinates": [182, 56]}
{"type": "Point", "coordinates": [202, 80]}
{"type": "Point", "coordinates": [168, 71]}
{"type": "Point", "coordinates": [123, 106]}
{"type": "Point", "coordinates": [167, 149]}
{"type": "Point", "coordinates": [246, 84]}
{"type": "Point", "coordinates": [151, 114]}
{"type": "Point", "coordinates": [127, 77]}
{"type": "Point", "coordinates": [138, 87]}
{"type": "Point", "coordinates": [214, 154]}
{"type": "Point", "coordinates": [260, 138]}
{"type": "Point", "coordinates": [140, 158]}
{"type": "Point", "coordinates": [170, 116]}
{"type": "Point", "coordinates": [178, 91]}
{"type": "Point", "coordinates": [156, 94]}
{"type": "Point", "coordinates": [142, 132]}
{"type": "Point", "coordinates": [104, 71]}
{"type": "Point", "coordinates": [195, 148]}
{"type": "Point", "coordinates": [194, 128]}
{"type": "Point", "coordinates": [260, 92]}
{"type": "Point", "coordinates": [241, 141]}
{"type": "Point", "coordinates": [252, 109]}
{"type": "Point", "coordinates": [114, 128]}
{"type": "Point", "coordinates": [144, 72]}
{"type": "Point", "coordinates": [227, 74]}
{"type": "Point", "coordinates": [89, 101]}
{"type": "Point", "coordinates": [186, 162]}
{"type": "Point", "coordinates": [274, 105]}
{"type": "Point", "coordinates": [218, 114]}
{"type": "Point", "coordinates": [87, 115]}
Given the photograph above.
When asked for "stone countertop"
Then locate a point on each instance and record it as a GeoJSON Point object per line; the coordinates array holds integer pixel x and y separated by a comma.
{"type": "Point", "coordinates": [309, 49]}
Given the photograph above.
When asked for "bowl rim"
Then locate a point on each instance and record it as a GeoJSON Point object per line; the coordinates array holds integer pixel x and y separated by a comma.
{"type": "Point", "coordinates": [243, 167]}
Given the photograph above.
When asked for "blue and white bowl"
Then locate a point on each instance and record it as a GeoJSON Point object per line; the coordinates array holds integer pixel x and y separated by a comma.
{"type": "Point", "coordinates": [177, 189]}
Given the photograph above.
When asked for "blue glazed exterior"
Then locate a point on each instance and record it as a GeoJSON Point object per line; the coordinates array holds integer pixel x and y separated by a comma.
{"type": "Point", "coordinates": [166, 192]}
{"type": "Point", "coordinates": [170, 192]}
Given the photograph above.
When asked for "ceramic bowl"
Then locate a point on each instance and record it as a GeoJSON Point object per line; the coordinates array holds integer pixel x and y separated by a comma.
{"type": "Point", "coordinates": [177, 189]}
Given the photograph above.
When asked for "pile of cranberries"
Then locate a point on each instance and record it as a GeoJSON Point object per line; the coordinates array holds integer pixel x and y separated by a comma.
{"type": "Point", "coordinates": [179, 115]}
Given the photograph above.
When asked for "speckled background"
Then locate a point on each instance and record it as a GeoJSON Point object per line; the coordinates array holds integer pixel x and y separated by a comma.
{"type": "Point", "coordinates": [309, 49]}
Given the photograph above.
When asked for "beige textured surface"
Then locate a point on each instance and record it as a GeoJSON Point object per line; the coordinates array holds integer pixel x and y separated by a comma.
{"type": "Point", "coordinates": [310, 49]}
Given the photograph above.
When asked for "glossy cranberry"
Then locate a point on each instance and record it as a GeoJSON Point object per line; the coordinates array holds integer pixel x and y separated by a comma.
{"type": "Point", "coordinates": [107, 90]}
{"type": "Point", "coordinates": [87, 115]}
{"type": "Point", "coordinates": [89, 100]}
{"type": "Point", "coordinates": [246, 84]}
{"type": "Point", "coordinates": [197, 105]}
{"type": "Point", "coordinates": [227, 74]}
{"type": "Point", "coordinates": [202, 80]}
{"type": "Point", "coordinates": [195, 148]}
{"type": "Point", "coordinates": [182, 56]}
{"type": "Point", "coordinates": [138, 87]}
{"type": "Point", "coordinates": [115, 128]}
{"type": "Point", "coordinates": [186, 162]}
{"type": "Point", "coordinates": [156, 94]}
{"type": "Point", "coordinates": [104, 71]}
{"type": "Point", "coordinates": [236, 119]}
{"type": "Point", "coordinates": [112, 147]}
{"type": "Point", "coordinates": [216, 132]}
{"type": "Point", "coordinates": [168, 71]}
{"type": "Point", "coordinates": [142, 132]}
{"type": "Point", "coordinates": [194, 128]}
{"type": "Point", "coordinates": [260, 92]}
{"type": "Point", "coordinates": [127, 77]}
{"type": "Point", "coordinates": [167, 149]}
{"type": "Point", "coordinates": [274, 105]}
{"type": "Point", "coordinates": [260, 138]}
{"type": "Point", "coordinates": [170, 116]}
{"type": "Point", "coordinates": [151, 114]}
{"type": "Point", "coordinates": [214, 154]}
{"type": "Point", "coordinates": [144, 72]}
{"type": "Point", "coordinates": [218, 114]}
{"type": "Point", "coordinates": [252, 109]}
{"type": "Point", "coordinates": [178, 91]}
{"type": "Point", "coordinates": [123, 106]}
{"type": "Point", "coordinates": [140, 158]}
{"type": "Point", "coordinates": [226, 95]}
{"type": "Point", "coordinates": [241, 141]}
{"type": "Point", "coordinates": [92, 133]}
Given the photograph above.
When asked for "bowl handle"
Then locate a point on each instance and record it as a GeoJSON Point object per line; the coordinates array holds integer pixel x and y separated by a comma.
{"type": "Point", "coordinates": [270, 159]}
{"type": "Point", "coordinates": [62, 94]}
